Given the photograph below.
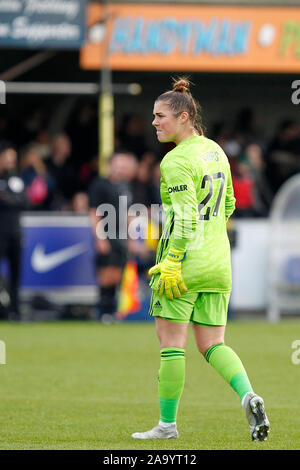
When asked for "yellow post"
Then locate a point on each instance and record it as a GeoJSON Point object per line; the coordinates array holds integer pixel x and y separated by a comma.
{"type": "Point", "coordinates": [106, 130]}
{"type": "Point", "coordinates": [106, 102]}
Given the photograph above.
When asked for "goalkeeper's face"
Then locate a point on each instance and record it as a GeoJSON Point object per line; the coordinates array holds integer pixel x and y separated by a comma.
{"type": "Point", "coordinates": [168, 125]}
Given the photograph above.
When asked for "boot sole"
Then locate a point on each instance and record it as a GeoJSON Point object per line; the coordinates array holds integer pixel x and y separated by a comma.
{"type": "Point", "coordinates": [262, 427]}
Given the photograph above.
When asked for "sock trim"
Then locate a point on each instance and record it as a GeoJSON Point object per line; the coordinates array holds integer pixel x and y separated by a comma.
{"type": "Point", "coordinates": [166, 350]}
{"type": "Point", "coordinates": [172, 353]}
{"type": "Point", "coordinates": [211, 350]}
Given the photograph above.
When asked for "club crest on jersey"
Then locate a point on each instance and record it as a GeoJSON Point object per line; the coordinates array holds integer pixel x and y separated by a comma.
{"type": "Point", "coordinates": [177, 189]}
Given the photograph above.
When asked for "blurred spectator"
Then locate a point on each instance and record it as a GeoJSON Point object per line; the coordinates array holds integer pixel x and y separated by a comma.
{"type": "Point", "coordinates": [144, 191]}
{"type": "Point", "coordinates": [283, 153]}
{"type": "Point", "coordinates": [131, 135]}
{"type": "Point", "coordinates": [12, 201]}
{"type": "Point", "coordinates": [286, 137]}
{"type": "Point", "coordinates": [42, 143]}
{"type": "Point", "coordinates": [34, 122]}
{"type": "Point", "coordinates": [62, 172]}
{"type": "Point", "coordinates": [80, 203]}
{"type": "Point", "coordinates": [243, 190]}
{"type": "Point", "coordinates": [88, 171]}
{"type": "Point", "coordinates": [143, 248]}
{"type": "Point", "coordinates": [220, 133]}
{"type": "Point", "coordinates": [82, 129]}
{"type": "Point", "coordinates": [156, 175]}
{"type": "Point", "coordinates": [263, 194]}
{"type": "Point", "coordinates": [39, 185]}
{"type": "Point", "coordinates": [230, 143]}
{"type": "Point", "coordinates": [111, 231]}
{"type": "Point", "coordinates": [233, 150]}
{"type": "Point", "coordinates": [149, 157]}
{"type": "Point", "coordinates": [124, 167]}
{"type": "Point", "coordinates": [251, 187]}
{"type": "Point", "coordinates": [245, 128]}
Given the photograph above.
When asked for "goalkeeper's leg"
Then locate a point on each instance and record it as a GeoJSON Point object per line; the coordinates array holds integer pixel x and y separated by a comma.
{"type": "Point", "coordinates": [210, 342]}
{"type": "Point", "coordinates": [171, 377]}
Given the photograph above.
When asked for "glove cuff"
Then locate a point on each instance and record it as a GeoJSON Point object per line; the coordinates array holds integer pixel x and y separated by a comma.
{"type": "Point", "coordinates": [176, 255]}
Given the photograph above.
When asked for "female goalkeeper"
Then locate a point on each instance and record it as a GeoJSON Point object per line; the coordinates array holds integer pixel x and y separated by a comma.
{"type": "Point", "coordinates": [191, 280]}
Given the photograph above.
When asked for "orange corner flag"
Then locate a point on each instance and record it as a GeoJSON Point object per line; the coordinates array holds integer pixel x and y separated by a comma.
{"type": "Point", "coordinates": [129, 301]}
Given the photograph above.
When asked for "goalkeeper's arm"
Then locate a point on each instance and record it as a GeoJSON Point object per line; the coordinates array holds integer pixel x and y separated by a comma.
{"type": "Point", "coordinates": [185, 208]}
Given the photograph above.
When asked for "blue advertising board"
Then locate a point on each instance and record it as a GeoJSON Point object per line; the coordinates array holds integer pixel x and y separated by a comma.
{"type": "Point", "coordinates": [58, 257]}
{"type": "Point", "coordinates": [55, 24]}
{"type": "Point", "coordinates": [58, 262]}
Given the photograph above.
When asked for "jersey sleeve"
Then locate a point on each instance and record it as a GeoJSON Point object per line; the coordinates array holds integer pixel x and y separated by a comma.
{"type": "Point", "coordinates": [181, 190]}
{"type": "Point", "coordinates": [230, 199]}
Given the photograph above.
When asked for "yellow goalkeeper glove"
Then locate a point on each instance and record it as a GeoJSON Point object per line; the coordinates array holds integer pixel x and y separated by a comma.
{"type": "Point", "coordinates": [171, 280]}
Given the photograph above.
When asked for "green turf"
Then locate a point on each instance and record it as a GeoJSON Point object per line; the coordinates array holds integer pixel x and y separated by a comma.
{"type": "Point", "coordinates": [84, 385]}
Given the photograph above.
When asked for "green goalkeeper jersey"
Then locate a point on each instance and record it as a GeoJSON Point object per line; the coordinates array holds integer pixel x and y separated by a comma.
{"type": "Point", "coordinates": [197, 197]}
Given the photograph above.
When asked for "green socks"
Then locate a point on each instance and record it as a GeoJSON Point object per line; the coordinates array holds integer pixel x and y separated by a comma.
{"type": "Point", "coordinates": [170, 382]}
{"type": "Point", "coordinates": [230, 367]}
{"type": "Point", "coordinates": [172, 374]}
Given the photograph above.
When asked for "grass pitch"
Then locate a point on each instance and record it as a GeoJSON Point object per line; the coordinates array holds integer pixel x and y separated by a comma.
{"type": "Point", "coordinates": [84, 385]}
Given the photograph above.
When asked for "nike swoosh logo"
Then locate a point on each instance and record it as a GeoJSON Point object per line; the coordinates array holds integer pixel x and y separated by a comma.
{"type": "Point", "coordinates": [42, 262]}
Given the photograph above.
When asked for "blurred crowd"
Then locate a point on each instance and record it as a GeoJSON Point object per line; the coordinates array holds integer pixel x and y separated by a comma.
{"type": "Point", "coordinates": [58, 169]}
{"type": "Point", "coordinates": [259, 165]}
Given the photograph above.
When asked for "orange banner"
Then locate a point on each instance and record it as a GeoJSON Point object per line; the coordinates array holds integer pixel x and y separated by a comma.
{"type": "Point", "coordinates": [194, 38]}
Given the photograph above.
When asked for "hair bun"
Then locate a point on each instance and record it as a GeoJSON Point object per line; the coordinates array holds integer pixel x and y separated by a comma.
{"type": "Point", "coordinates": [181, 85]}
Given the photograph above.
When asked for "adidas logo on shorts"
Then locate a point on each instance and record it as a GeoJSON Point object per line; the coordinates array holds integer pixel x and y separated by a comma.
{"type": "Point", "coordinates": [157, 304]}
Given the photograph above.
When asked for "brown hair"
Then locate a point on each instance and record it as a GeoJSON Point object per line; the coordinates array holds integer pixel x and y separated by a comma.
{"type": "Point", "coordinates": [180, 99]}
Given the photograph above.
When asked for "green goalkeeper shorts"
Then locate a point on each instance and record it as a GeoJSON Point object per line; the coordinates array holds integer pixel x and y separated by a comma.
{"type": "Point", "coordinates": [201, 308]}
